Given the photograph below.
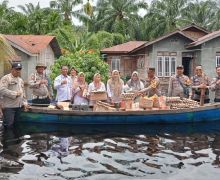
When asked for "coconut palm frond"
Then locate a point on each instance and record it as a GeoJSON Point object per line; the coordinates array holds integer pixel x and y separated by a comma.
{"type": "Point", "coordinates": [6, 51]}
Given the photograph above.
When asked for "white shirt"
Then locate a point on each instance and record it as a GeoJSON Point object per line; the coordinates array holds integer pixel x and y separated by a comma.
{"type": "Point", "coordinates": [64, 91]}
{"type": "Point", "coordinates": [93, 88]}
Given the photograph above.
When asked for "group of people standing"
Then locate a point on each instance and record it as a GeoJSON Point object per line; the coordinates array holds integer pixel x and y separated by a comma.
{"type": "Point", "coordinates": [183, 86]}
{"type": "Point", "coordinates": [71, 86]}
{"type": "Point", "coordinates": [74, 88]}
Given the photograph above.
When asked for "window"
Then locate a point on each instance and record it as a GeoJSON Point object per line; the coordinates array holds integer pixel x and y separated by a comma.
{"type": "Point", "coordinates": [160, 66]}
{"type": "Point", "coordinates": [166, 66]}
{"type": "Point", "coordinates": [173, 66]}
{"type": "Point", "coordinates": [115, 65]}
{"type": "Point", "coordinates": [217, 59]}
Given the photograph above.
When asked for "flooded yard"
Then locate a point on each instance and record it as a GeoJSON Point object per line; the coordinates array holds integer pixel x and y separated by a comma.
{"type": "Point", "coordinates": [184, 151]}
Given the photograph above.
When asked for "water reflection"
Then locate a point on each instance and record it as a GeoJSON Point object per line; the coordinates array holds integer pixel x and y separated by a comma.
{"type": "Point", "coordinates": [117, 152]}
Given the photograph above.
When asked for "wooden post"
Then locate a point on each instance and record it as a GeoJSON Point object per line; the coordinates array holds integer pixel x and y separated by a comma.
{"type": "Point", "coordinates": [202, 96]}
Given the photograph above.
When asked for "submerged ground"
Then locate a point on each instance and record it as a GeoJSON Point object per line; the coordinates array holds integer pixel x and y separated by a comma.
{"type": "Point", "coordinates": [186, 151]}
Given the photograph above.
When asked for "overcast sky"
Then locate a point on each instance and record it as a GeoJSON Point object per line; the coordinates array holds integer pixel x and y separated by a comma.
{"type": "Point", "coordinates": [43, 3]}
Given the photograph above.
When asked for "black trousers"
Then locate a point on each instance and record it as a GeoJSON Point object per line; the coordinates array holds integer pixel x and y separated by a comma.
{"type": "Point", "coordinates": [37, 102]}
{"type": "Point", "coordinates": [10, 115]}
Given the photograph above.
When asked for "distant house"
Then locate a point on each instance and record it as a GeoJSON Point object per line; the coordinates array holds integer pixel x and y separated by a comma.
{"type": "Point", "coordinates": [33, 49]}
{"type": "Point", "coordinates": [189, 46]}
{"type": "Point", "coordinates": [126, 58]}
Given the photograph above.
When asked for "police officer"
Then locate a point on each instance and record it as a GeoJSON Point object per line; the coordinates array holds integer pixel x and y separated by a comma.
{"type": "Point", "coordinates": [215, 85]}
{"type": "Point", "coordinates": [200, 81]}
{"type": "Point", "coordinates": [39, 82]}
{"type": "Point", "coordinates": [179, 84]}
{"type": "Point", "coordinates": [1, 113]}
{"type": "Point", "coordinates": [152, 84]}
{"type": "Point", "coordinates": [13, 94]}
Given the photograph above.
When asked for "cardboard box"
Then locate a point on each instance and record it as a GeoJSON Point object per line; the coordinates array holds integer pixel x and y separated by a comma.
{"type": "Point", "coordinates": [146, 103]}
{"type": "Point", "coordinates": [98, 96]}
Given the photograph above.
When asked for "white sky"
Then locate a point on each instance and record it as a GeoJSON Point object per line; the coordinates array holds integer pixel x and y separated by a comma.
{"type": "Point", "coordinates": [43, 3]}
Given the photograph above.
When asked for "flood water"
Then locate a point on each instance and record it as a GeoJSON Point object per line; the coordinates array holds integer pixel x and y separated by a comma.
{"type": "Point", "coordinates": [186, 151]}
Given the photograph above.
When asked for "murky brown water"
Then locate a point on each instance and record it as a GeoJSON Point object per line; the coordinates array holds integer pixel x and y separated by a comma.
{"type": "Point", "coordinates": [111, 152]}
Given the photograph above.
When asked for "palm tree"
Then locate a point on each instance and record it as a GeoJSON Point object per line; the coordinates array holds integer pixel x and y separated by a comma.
{"type": "Point", "coordinates": [164, 16]}
{"type": "Point", "coordinates": [30, 8]}
{"type": "Point", "coordinates": [65, 7]}
{"type": "Point", "coordinates": [86, 16]}
{"type": "Point", "coordinates": [5, 11]}
{"type": "Point", "coordinates": [53, 20]}
{"type": "Point", "coordinates": [41, 20]}
{"type": "Point", "coordinates": [116, 16]}
{"type": "Point", "coordinates": [202, 13]}
{"type": "Point", "coordinates": [19, 23]}
{"type": "Point", "coordinates": [6, 53]}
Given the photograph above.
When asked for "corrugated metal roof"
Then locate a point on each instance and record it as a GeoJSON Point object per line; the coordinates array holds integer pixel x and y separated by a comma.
{"type": "Point", "coordinates": [205, 38]}
{"type": "Point", "coordinates": [33, 44]}
{"type": "Point", "coordinates": [124, 48]}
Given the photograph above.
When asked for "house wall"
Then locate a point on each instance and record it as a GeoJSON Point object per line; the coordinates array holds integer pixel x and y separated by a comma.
{"type": "Point", "coordinates": [130, 63]}
{"type": "Point", "coordinates": [47, 57]}
{"type": "Point", "coordinates": [29, 63]}
{"type": "Point", "coordinates": [208, 56]}
{"type": "Point", "coordinates": [127, 63]}
{"type": "Point", "coordinates": [142, 62]}
{"type": "Point", "coordinates": [175, 44]}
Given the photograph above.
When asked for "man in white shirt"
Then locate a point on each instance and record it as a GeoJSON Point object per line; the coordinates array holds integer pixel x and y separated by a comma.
{"type": "Point", "coordinates": [63, 85]}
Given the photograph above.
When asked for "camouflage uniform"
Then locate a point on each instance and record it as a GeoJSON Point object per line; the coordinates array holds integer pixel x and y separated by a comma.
{"type": "Point", "coordinates": [175, 89]}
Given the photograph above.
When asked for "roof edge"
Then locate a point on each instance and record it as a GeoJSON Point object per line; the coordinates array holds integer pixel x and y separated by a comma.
{"type": "Point", "coordinates": [20, 48]}
{"type": "Point", "coordinates": [197, 43]}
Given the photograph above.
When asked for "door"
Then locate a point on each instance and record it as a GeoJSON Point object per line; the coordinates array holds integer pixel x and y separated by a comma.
{"type": "Point", "coordinates": [187, 64]}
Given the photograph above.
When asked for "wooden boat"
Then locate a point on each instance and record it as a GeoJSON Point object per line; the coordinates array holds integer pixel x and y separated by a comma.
{"type": "Point", "coordinates": [117, 129]}
{"type": "Point", "coordinates": [207, 113]}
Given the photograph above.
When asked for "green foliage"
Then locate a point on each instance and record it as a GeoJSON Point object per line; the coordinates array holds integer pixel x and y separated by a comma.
{"type": "Point", "coordinates": [117, 16]}
{"type": "Point", "coordinates": [88, 62]}
{"type": "Point", "coordinates": [65, 37]}
{"type": "Point", "coordinates": [118, 38]}
{"type": "Point", "coordinates": [103, 39]}
{"type": "Point", "coordinates": [110, 22]}
{"type": "Point", "coordinates": [65, 9]}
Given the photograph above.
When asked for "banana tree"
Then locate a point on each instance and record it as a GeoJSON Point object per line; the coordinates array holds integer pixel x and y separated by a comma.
{"type": "Point", "coordinates": [6, 55]}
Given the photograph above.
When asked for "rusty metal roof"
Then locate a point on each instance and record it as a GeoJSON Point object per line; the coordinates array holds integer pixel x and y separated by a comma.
{"type": "Point", "coordinates": [124, 48]}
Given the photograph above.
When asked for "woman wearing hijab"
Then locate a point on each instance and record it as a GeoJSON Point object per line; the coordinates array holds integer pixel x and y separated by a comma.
{"type": "Point", "coordinates": [135, 84]}
{"type": "Point", "coordinates": [96, 85]}
{"type": "Point", "coordinates": [80, 88]}
{"type": "Point", "coordinates": [115, 87]}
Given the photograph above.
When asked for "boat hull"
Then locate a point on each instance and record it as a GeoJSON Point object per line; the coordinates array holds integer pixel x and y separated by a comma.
{"type": "Point", "coordinates": [44, 115]}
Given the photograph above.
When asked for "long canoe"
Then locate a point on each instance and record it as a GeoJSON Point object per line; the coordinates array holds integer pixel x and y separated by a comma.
{"type": "Point", "coordinates": [207, 113]}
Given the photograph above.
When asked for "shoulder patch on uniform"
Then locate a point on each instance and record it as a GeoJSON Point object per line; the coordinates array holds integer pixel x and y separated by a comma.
{"type": "Point", "coordinates": [3, 81]}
